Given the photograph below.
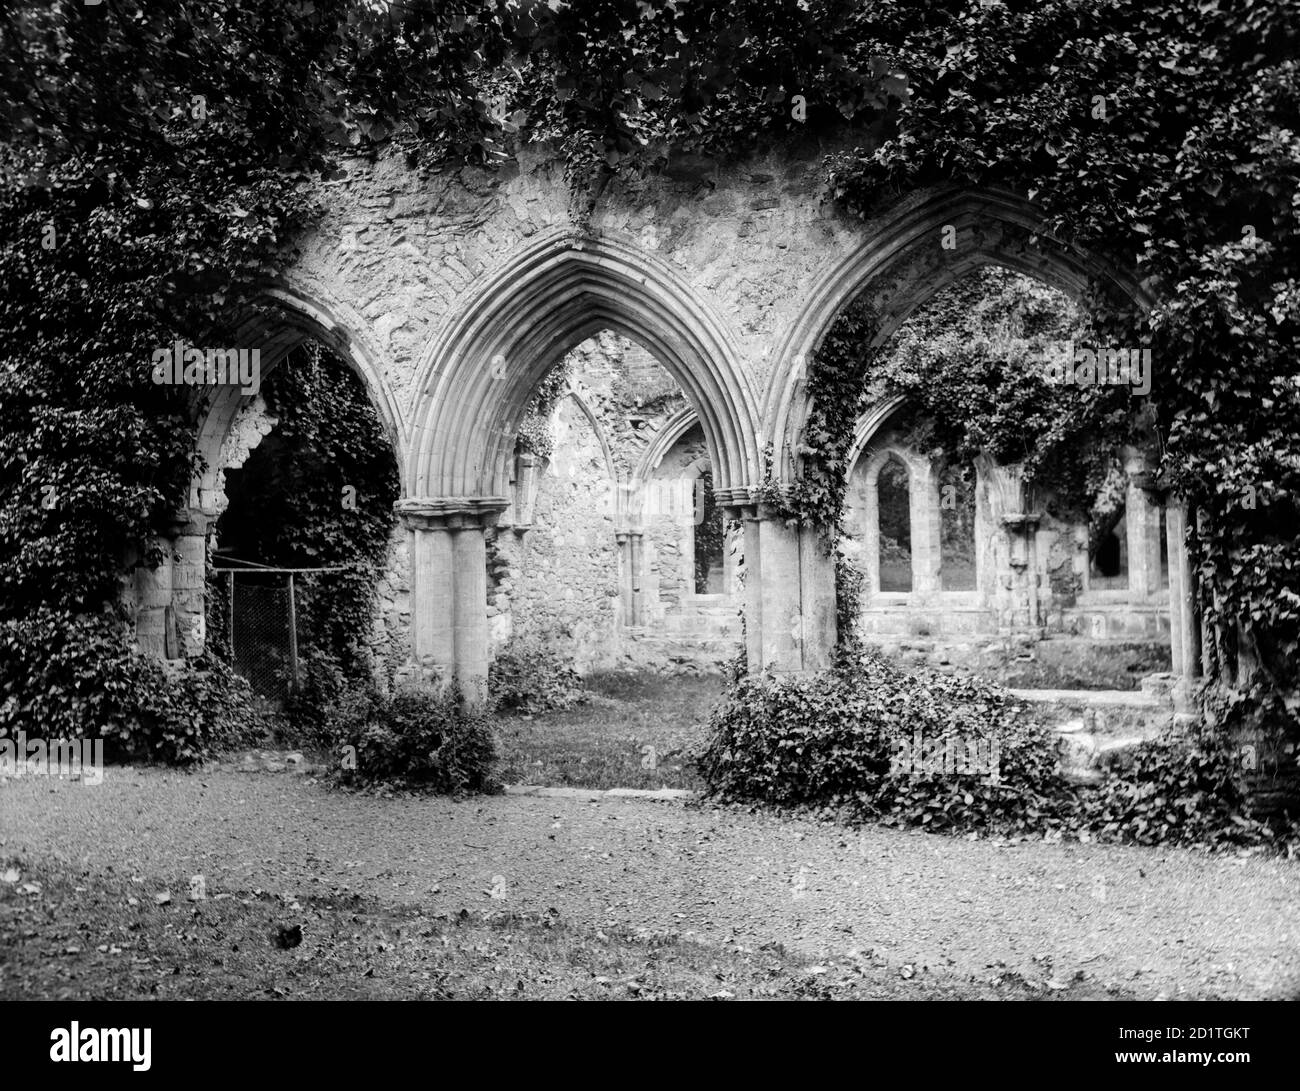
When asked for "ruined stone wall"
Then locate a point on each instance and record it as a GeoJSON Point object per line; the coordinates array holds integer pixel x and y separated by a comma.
{"type": "Point", "coordinates": [560, 578]}
{"type": "Point", "coordinates": [730, 273]}
{"type": "Point", "coordinates": [668, 522]}
{"type": "Point", "coordinates": [399, 250]}
{"type": "Point", "coordinates": [1034, 617]}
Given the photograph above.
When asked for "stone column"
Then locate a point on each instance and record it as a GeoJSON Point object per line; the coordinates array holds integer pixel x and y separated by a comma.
{"type": "Point", "coordinates": [1022, 530]}
{"type": "Point", "coordinates": [1018, 589]}
{"type": "Point", "coordinates": [469, 612]}
{"type": "Point", "coordinates": [927, 547]}
{"type": "Point", "coordinates": [1142, 517]}
{"type": "Point", "coordinates": [632, 562]}
{"type": "Point", "coordinates": [622, 537]}
{"type": "Point", "coordinates": [527, 474]}
{"type": "Point", "coordinates": [168, 602]}
{"type": "Point", "coordinates": [871, 537]}
{"type": "Point", "coordinates": [636, 566]}
{"type": "Point", "coordinates": [733, 545]}
{"type": "Point", "coordinates": [449, 624]}
{"type": "Point", "coordinates": [1184, 629]}
{"type": "Point", "coordinates": [189, 582]}
{"type": "Point", "coordinates": [789, 592]}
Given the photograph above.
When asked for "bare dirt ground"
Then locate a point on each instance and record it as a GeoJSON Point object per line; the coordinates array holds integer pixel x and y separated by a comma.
{"type": "Point", "coordinates": [1071, 920]}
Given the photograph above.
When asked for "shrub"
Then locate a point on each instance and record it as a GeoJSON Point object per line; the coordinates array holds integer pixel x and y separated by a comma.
{"type": "Point", "coordinates": [826, 741]}
{"type": "Point", "coordinates": [1181, 788]}
{"type": "Point", "coordinates": [305, 716]}
{"type": "Point", "coordinates": [413, 736]}
{"type": "Point", "coordinates": [189, 710]}
{"type": "Point", "coordinates": [72, 676]}
{"type": "Point", "coordinates": [66, 675]}
{"type": "Point", "coordinates": [529, 678]}
{"type": "Point", "coordinates": [831, 740]}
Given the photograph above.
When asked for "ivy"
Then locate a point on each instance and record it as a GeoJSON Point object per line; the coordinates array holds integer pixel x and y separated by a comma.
{"type": "Point", "coordinates": [535, 431]}
{"type": "Point", "coordinates": [1161, 137]}
{"type": "Point", "coordinates": [842, 744]}
{"type": "Point", "coordinates": [157, 162]}
{"type": "Point", "coordinates": [710, 532]}
{"type": "Point", "coordinates": [319, 492]}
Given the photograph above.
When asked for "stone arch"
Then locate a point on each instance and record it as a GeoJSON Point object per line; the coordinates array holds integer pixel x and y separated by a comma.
{"type": "Point", "coordinates": [642, 478]}
{"type": "Point", "coordinates": [170, 599]}
{"type": "Point", "coordinates": [899, 275]}
{"type": "Point", "coordinates": [872, 423]}
{"type": "Point", "coordinates": [479, 372]}
{"type": "Point", "coordinates": [289, 317]}
{"type": "Point", "coordinates": [900, 265]}
{"type": "Point", "coordinates": [924, 485]}
{"type": "Point", "coordinates": [664, 441]}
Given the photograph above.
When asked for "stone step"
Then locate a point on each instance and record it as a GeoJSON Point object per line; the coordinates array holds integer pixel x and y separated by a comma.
{"type": "Point", "coordinates": [1097, 730]}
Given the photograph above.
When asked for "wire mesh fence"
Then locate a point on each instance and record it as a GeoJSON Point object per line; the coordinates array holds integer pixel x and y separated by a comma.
{"type": "Point", "coordinates": [261, 630]}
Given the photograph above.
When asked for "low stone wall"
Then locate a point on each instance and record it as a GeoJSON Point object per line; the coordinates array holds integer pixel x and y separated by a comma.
{"type": "Point", "coordinates": [1029, 662]}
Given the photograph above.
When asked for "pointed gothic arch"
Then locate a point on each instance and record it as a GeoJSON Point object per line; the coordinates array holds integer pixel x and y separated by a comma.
{"type": "Point", "coordinates": [477, 375]}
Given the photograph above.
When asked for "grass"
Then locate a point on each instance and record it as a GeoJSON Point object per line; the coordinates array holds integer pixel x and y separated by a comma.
{"type": "Point", "coordinates": [602, 743]}
{"type": "Point", "coordinates": [87, 936]}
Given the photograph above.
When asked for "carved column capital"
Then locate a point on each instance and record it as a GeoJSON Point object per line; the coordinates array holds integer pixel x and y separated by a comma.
{"type": "Point", "coordinates": [735, 497]}
{"type": "Point", "coordinates": [450, 512]}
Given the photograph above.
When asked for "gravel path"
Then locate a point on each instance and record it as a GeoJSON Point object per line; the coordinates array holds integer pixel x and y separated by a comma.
{"type": "Point", "coordinates": [1149, 922]}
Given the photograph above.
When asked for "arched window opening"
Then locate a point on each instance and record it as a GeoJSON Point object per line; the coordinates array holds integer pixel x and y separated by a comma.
{"type": "Point", "coordinates": [895, 522]}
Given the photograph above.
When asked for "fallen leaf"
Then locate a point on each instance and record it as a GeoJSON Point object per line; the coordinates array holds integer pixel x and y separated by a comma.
{"type": "Point", "coordinates": [286, 937]}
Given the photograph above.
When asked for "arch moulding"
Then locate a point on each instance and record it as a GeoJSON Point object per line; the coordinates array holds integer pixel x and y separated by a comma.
{"type": "Point", "coordinates": [901, 264]}
{"type": "Point", "coordinates": [291, 317]}
{"type": "Point", "coordinates": [480, 370]}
